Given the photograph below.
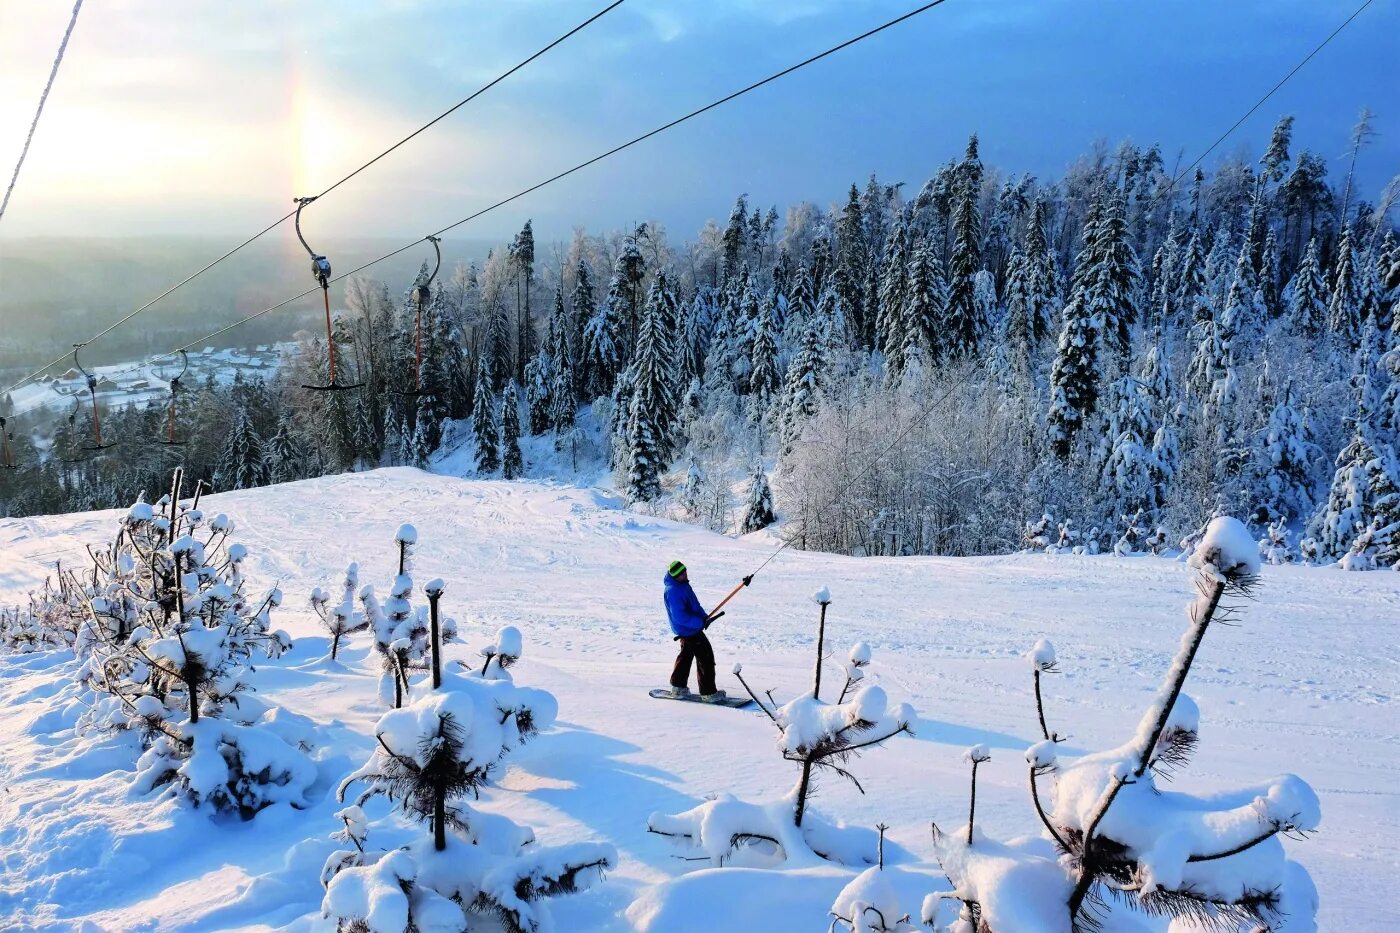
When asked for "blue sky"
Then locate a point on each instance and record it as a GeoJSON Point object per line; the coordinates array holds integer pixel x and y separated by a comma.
{"type": "Point", "coordinates": [208, 120]}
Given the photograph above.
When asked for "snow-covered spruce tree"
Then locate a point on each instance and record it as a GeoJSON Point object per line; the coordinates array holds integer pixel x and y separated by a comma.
{"type": "Point", "coordinates": [1365, 487]}
{"type": "Point", "coordinates": [431, 756]}
{"type": "Point", "coordinates": [1305, 299]}
{"type": "Point", "coordinates": [343, 618]}
{"type": "Point", "coordinates": [962, 325]}
{"type": "Point", "coordinates": [172, 634]}
{"type": "Point", "coordinates": [758, 513]}
{"type": "Point", "coordinates": [1075, 378]}
{"type": "Point", "coordinates": [651, 408]}
{"type": "Point", "coordinates": [1343, 309]}
{"type": "Point", "coordinates": [539, 383]}
{"type": "Point", "coordinates": [488, 454]}
{"type": "Point", "coordinates": [512, 463]}
{"type": "Point", "coordinates": [1283, 468]}
{"type": "Point", "coordinates": [817, 736]}
{"type": "Point", "coordinates": [242, 465]}
{"type": "Point", "coordinates": [764, 376]}
{"type": "Point", "coordinates": [805, 381]}
{"type": "Point", "coordinates": [1113, 841]}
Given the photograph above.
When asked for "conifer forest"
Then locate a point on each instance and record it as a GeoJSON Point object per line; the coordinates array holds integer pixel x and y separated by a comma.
{"type": "Point", "coordinates": [1104, 360]}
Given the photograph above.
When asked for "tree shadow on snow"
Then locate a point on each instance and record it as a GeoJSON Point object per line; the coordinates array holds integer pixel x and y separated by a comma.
{"type": "Point", "coordinates": [956, 734]}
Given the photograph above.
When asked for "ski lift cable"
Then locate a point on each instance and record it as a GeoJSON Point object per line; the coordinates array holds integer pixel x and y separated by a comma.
{"type": "Point", "coordinates": [567, 172]}
{"type": "Point", "coordinates": [38, 112]}
{"type": "Point", "coordinates": [283, 219]}
{"type": "Point", "coordinates": [1261, 101]}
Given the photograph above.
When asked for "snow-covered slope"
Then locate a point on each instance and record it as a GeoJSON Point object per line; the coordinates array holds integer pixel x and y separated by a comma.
{"type": "Point", "coordinates": [1306, 684]}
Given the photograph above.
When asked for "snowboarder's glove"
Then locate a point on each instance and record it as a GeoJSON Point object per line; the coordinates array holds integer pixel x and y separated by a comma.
{"type": "Point", "coordinates": [748, 579]}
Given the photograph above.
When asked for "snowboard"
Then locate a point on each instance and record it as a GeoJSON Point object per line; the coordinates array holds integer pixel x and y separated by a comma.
{"type": "Point", "coordinates": [661, 693]}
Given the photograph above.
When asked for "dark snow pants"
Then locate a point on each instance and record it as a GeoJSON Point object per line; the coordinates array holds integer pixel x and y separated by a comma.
{"type": "Point", "coordinates": [695, 647]}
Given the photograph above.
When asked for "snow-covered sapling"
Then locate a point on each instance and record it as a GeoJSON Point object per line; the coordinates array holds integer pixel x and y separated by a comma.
{"type": "Point", "coordinates": [817, 735]}
{"type": "Point", "coordinates": [343, 618]}
{"type": "Point", "coordinates": [974, 756]}
{"type": "Point", "coordinates": [501, 653]}
{"type": "Point", "coordinates": [172, 635]}
{"type": "Point", "coordinates": [1042, 661]}
{"type": "Point", "coordinates": [1112, 837]}
{"type": "Point", "coordinates": [431, 756]}
{"type": "Point", "coordinates": [857, 660]}
{"type": "Point", "coordinates": [869, 903]}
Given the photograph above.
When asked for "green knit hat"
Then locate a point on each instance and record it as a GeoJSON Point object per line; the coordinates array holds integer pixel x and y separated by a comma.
{"type": "Point", "coordinates": [676, 568]}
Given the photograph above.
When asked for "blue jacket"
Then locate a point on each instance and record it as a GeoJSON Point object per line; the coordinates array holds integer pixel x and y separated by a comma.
{"type": "Point", "coordinates": [687, 616]}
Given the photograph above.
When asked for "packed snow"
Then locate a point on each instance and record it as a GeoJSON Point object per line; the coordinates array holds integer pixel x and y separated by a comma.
{"type": "Point", "coordinates": [565, 582]}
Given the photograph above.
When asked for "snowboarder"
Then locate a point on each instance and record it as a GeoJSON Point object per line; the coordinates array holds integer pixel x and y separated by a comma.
{"type": "Point", "coordinates": [688, 622]}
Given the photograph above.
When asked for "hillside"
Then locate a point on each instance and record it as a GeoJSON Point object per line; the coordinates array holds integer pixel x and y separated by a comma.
{"type": "Point", "coordinates": [1306, 684]}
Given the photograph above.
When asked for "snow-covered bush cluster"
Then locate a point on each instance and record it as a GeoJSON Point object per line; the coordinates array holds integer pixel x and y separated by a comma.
{"type": "Point", "coordinates": [441, 745]}
{"type": "Point", "coordinates": [401, 630]}
{"type": "Point", "coordinates": [821, 738]}
{"type": "Point", "coordinates": [170, 635]}
{"type": "Point", "coordinates": [49, 619]}
{"type": "Point", "coordinates": [1113, 840]}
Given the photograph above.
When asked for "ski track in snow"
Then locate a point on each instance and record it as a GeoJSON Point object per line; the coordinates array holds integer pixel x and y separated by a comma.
{"type": "Point", "coordinates": [1306, 683]}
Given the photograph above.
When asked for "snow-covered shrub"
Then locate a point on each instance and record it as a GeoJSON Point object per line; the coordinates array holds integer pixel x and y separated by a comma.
{"type": "Point", "coordinates": [1376, 546]}
{"type": "Point", "coordinates": [1065, 538]}
{"type": "Point", "coordinates": [1156, 542]}
{"type": "Point", "coordinates": [343, 618]}
{"type": "Point", "coordinates": [172, 635]}
{"type": "Point", "coordinates": [818, 737]}
{"type": "Point", "coordinates": [1038, 534]}
{"type": "Point", "coordinates": [1134, 535]}
{"type": "Point", "coordinates": [51, 618]}
{"type": "Point", "coordinates": [431, 756]}
{"type": "Point", "coordinates": [1113, 839]}
{"type": "Point", "coordinates": [1273, 546]}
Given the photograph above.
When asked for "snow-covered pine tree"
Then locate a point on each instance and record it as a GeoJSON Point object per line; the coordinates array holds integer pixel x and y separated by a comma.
{"type": "Point", "coordinates": [894, 288]}
{"type": "Point", "coordinates": [285, 454]}
{"type": "Point", "coordinates": [1042, 288]}
{"type": "Point", "coordinates": [427, 432]}
{"type": "Point", "coordinates": [488, 454]}
{"type": "Point", "coordinates": [1305, 299]}
{"type": "Point", "coordinates": [512, 463]}
{"type": "Point", "coordinates": [1075, 377]}
{"type": "Point", "coordinates": [1111, 279]}
{"type": "Point", "coordinates": [1127, 472]}
{"type": "Point", "coordinates": [1363, 475]}
{"type": "Point", "coordinates": [805, 381]}
{"type": "Point", "coordinates": [602, 349]}
{"type": "Point", "coordinates": [758, 513]}
{"type": "Point", "coordinates": [1283, 469]}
